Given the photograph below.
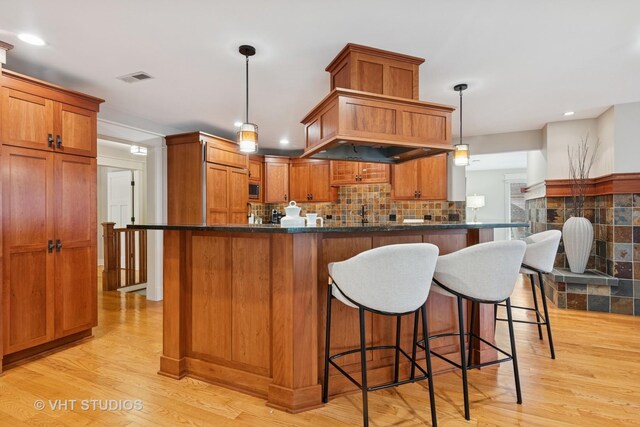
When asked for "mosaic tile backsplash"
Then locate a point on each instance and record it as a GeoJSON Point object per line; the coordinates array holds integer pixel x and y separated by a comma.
{"type": "Point", "coordinates": [378, 204]}
{"type": "Point", "coordinates": [616, 247]}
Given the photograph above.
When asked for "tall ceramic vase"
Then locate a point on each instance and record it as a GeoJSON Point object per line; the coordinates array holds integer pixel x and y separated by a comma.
{"type": "Point", "coordinates": [577, 235]}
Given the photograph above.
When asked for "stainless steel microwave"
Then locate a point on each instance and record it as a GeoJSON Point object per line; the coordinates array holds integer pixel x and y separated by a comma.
{"type": "Point", "coordinates": [254, 191]}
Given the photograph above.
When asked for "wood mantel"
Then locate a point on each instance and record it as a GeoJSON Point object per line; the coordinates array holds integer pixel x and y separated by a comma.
{"type": "Point", "coordinates": [244, 307]}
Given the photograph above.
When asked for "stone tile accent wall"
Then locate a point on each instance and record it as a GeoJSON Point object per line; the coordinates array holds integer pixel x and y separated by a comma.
{"type": "Point", "coordinates": [616, 249]}
{"type": "Point", "coordinates": [378, 206]}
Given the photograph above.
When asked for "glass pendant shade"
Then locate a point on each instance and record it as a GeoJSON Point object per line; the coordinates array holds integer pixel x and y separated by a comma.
{"type": "Point", "coordinates": [461, 155]}
{"type": "Point", "coordinates": [248, 138]}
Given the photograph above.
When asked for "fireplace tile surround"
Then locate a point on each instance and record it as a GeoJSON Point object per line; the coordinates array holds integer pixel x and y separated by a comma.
{"type": "Point", "coordinates": [615, 252]}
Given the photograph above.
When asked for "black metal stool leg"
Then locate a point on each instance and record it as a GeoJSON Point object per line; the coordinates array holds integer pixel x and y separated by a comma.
{"type": "Point", "coordinates": [546, 315]}
{"type": "Point", "coordinates": [415, 343]}
{"type": "Point", "coordinates": [396, 371]}
{"type": "Point", "coordinates": [463, 363]}
{"type": "Point", "coordinates": [516, 373]}
{"type": "Point", "coordinates": [427, 349]}
{"type": "Point", "coordinates": [495, 316]}
{"type": "Point", "coordinates": [327, 344]}
{"type": "Point", "coordinates": [472, 324]}
{"type": "Point", "coordinates": [363, 365]}
{"type": "Point", "coordinates": [535, 304]}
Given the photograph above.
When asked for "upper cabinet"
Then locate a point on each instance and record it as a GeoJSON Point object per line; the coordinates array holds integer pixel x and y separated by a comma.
{"type": "Point", "coordinates": [47, 117]}
{"type": "Point", "coordinates": [310, 181]}
{"type": "Point", "coordinates": [376, 71]}
{"type": "Point", "coordinates": [276, 182]}
{"type": "Point", "coordinates": [345, 173]}
{"type": "Point", "coordinates": [423, 179]}
{"type": "Point", "coordinates": [256, 165]}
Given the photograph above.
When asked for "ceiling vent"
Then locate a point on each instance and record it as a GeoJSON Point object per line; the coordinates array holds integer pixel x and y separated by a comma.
{"type": "Point", "coordinates": [135, 77]}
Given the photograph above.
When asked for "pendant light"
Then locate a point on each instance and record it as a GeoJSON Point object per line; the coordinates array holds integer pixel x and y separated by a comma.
{"type": "Point", "coordinates": [248, 132]}
{"type": "Point", "coordinates": [461, 153]}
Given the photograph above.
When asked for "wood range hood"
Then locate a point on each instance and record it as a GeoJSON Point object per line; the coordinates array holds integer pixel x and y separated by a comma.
{"type": "Point", "coordinates": [373, 112]}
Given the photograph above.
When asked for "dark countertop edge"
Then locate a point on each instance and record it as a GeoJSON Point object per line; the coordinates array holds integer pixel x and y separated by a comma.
{"type": "Point", "coordinates": [327, 229]}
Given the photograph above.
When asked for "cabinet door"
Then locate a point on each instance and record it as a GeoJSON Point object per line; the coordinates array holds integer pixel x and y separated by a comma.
{"type": "Point", "coordinates": [28, 224]}
{"type": "Point", "coordinates": [217, 194]}
{"type": "Point", "coordinates": [277, 182]}
{"type": "Point", "coordinates": [255, 171]}
{"type": "Point", "coordinates": [299, 182]}
{"type": "Point", "coordinates": [77, 132]}
{"type": "Point", "coordinates": [343, 172]}
{"type": "Point", "coordinates": [238, 198]}
{"type": "Point", "coordinates": [371, 173]}
{"type": "Point", "coordinates": [75, 254]}
{"type": "Point", "coordinates": [320, 182]}
{"type": "Point", "coordinates": [404, 180]}
{"type": "Point", "coordinates": [27, 120]}
{"type": "Point", "coordinates": [432, 177]}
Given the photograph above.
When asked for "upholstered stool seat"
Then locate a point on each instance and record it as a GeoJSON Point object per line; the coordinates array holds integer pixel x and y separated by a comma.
{"type": "Point", "coordinates": [484, 273]}
{"type": "Point", "coordinates": [391, 280]}
{"type": "Point", "coordinates": [538, 259]}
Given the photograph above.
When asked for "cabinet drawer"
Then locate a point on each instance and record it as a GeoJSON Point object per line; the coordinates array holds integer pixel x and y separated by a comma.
{"type": "Point", "coordinates": [224, 157]}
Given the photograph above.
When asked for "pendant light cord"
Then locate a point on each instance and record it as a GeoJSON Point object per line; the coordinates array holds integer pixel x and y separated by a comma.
{"type": "Point", "coordinates": [460, 116]}
{"type": "Point", "coordinates": [247, 95]}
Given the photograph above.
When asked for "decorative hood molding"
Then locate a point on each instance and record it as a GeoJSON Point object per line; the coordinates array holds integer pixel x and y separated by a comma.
{"type": "Point", "coordinates": [372, 112]}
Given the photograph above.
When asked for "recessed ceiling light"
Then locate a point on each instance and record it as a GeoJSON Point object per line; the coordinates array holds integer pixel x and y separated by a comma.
{"type": "Point", "coordinates": [237, 124]}
{"type": "Point", "coordinates": [284, 141]}
{"type": "Point", "coordinates": [569, 113]}
{"type": "Point", "coordinates": [31, 39]}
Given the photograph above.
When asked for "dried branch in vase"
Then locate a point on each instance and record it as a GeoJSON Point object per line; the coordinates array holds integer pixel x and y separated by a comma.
{"type": "Point", "coordinates": [580, 163]}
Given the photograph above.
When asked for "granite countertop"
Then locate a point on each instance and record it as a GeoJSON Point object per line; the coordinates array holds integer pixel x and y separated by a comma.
{"type": "Point", "coordinates": [332, 228]}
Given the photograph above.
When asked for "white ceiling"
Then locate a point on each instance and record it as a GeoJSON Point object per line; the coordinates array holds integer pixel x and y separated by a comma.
{"type": "Point", "coordinates": [526, 62]}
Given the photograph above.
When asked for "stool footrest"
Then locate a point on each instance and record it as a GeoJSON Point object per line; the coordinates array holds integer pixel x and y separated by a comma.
{"type": "Point", "coordinates": [424, 376]}
{"type": "Point", "coordinates": [530, 322]}
{"type": "Point", "coordinates": [470, 334]}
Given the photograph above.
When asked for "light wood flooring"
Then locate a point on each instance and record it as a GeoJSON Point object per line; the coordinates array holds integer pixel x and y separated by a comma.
{"type": "Point", "coordinates": [595, 381]}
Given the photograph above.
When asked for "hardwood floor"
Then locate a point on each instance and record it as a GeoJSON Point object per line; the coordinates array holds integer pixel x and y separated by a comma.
{"type": "Point", "coordinates": [595, 380]}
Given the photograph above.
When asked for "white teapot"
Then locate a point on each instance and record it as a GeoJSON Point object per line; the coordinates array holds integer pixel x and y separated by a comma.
{"type": "Point", "coordinates": [293, 218]}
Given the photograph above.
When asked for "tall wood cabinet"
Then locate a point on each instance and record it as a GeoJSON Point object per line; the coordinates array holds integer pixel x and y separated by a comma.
{"type": "Point", "coordinates": [422, 179]}
{"type": "Point", "coordinates": [49, 262]}
{"type": "Point", "coordinates": [207, 180]}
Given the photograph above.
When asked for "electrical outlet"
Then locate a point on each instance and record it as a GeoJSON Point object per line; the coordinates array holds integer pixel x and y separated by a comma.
{"type": "Point", "coordinates": [392, 217]}
{"type": "Point", "coordinates": [329, 217]}
{"type": "Point", "coordinates": [428, 217]}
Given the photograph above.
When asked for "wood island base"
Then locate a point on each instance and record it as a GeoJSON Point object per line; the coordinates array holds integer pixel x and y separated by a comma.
{"type": "Point", "coordinates": [246, 310]}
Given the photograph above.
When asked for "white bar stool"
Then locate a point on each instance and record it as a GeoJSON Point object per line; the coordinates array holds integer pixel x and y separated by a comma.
{"type": "Point", "coordinates": [391, 280]}
{"type": "Point", "coordinates": [483, 273]}
{"type": "Point", "coordinates": [538, 259]}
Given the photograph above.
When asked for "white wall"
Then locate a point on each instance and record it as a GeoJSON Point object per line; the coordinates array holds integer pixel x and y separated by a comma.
{"type": "Point", "coordinates": [627, 138]}
{"type": "Point", "coordinates": [491, 184]}
{"type": "Point", "coordinates": [560, 135]}
{"type": "Point", "coordinates": [505, 142]}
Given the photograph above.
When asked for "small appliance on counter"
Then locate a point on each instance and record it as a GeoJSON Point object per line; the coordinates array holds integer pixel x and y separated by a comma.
{"type": "Point", "coordinates": [312, 220]}
{"type": "Point", "coordinates": [293, 218]}
{"type": "Point", "coordinates": [275, 217]}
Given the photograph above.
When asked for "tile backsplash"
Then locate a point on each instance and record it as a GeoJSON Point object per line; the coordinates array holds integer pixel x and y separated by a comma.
{"type": "Point", "coordinates": [378, 204]}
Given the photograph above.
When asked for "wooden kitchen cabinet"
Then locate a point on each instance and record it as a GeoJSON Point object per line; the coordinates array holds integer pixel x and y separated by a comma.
{"type": "Point", "coordinates": [49, 223]}
{"type": "Point", "coordinates": [422, 179]}
{"type": "Point", "coordinates": [256, 164]}
{"type": "Point", "coordinates": [226, 195]}
{"type": "Point", "coordinates": [276, 179]}
{"type": "Point", "coordinates": [310, 181]}
{"type": "Point", "coordinates": [345, 172]}
{"type": "Point", "coordinates": [207, 180]}
{"type": "Point", "coordinates": [35, 121]}
{"type": "Point", "coordinates": [50, 267]}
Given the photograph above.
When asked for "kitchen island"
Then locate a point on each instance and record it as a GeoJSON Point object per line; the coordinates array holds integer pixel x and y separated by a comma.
{"type": "Point", "coordinates": [244, 306]}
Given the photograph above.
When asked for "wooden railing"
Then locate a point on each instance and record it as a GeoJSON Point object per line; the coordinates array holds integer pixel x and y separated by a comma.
{"type": "Point", "coordinates": [134, 271]}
